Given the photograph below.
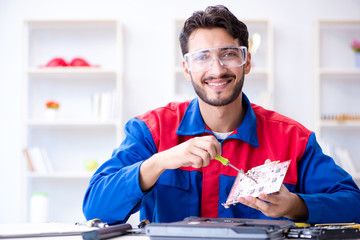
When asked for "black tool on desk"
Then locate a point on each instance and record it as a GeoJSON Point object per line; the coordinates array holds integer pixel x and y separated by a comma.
{"type": "Point", "coordinates": [96, 222]}
{"type": "Point", "coordinates": [219, 228]}
{"type": "Point", "coordinates": [107, 232]}
{"type": "Point", "coordinates": [325, 232]}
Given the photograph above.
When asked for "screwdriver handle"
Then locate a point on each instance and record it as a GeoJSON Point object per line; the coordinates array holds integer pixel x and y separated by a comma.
{"type": "Point", "coordinates": [223, 160]}
{"type": "Point", "coordinates": [226, 162]}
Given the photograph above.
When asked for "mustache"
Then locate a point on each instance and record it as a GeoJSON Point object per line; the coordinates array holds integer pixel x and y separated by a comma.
{"type": "Point", "coordinates": [226, 75]}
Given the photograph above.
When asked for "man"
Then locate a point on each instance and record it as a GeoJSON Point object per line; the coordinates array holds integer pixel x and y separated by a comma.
{"type": "Point", "coordinates": [165, 166]}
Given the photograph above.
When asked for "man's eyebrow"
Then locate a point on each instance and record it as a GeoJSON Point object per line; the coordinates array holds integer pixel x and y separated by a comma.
{"type": "Point", "coordinates": [227, 48]}
{"type": "Point", "coordinates": [218, 48]}
{"type": "Point", "coordinates": [203, 50]}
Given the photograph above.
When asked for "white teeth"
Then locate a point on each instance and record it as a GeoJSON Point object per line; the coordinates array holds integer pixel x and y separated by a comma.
{"type": "Point", "coordinates": [217, 84]}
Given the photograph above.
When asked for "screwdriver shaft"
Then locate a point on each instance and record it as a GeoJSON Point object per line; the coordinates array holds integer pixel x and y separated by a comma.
{"type": "Point", "coordinates": [229, 164]}
{"type": "Point", "coordinates": [226, 162]}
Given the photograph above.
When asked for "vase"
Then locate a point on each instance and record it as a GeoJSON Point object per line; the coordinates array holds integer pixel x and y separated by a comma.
{"type": "Point", "coordinates": [39, 208]}
{"type": "Point", "coordinates": [357, 59]}
{"type": "Point", "coordinates": [51, 113]}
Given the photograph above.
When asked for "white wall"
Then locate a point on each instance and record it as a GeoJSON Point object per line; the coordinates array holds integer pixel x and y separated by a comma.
{"type": "Point", "coordinates": [148, 34]}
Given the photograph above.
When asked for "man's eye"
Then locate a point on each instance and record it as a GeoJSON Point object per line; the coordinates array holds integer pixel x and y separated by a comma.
{"type": "Point", "coordinates": [200, 57]}
{"type": "Point", "coordinates": [230, 54]}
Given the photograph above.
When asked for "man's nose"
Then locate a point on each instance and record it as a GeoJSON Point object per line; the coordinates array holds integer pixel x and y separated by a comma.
{"type": "Point", "coordinates": [217, 66]}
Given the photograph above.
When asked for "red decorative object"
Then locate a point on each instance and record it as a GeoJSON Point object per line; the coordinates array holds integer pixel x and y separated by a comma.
{"type": "Point", "coordinates": [79, 62]}
{"type": "Point", "coordinates": [52, 104]}
{"type": "Point", "coordinates": [76, 62]}
{"type": "Point", "coordinates": [57, 62]}
{"type": "Point", "coordinates": [355, 45]}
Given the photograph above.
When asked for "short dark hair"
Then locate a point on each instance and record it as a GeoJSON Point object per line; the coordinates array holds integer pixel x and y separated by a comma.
{"type": "Point", "coordinates": [212, 17]}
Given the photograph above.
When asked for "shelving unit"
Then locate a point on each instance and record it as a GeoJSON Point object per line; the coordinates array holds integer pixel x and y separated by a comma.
{"type": "Point", "coordinates": [337, 86]}
{"type": "Point", "coordinates": [85, 128]}
{"type": "Point", "coordinates": [258, 85]}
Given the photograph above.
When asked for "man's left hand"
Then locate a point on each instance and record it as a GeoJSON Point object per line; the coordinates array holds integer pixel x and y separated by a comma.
{"type": "Point", "coordinates": [281, 203]}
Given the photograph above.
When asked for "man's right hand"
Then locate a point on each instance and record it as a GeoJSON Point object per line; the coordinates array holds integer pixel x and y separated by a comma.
{"type": "Point", "coordinates": [196, 152]}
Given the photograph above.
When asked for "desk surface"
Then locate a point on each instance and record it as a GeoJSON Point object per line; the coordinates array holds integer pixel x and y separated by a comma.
{"type": "Point", "coordinates": [125, 237]}
{"type": "Point", "coordinates": [19, 231]}
{"type": "Point", "coordinates": [23, 229]}
{"type": "Point", "coordinates": [27, 230]}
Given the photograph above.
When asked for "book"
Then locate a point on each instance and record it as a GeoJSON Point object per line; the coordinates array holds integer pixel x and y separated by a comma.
{"type": "Point", "coordinates": [28, 159]}
{"type": "Point", "coordinates": [105, 105]}
{"type": "Point", "coordinates": [38, 160]}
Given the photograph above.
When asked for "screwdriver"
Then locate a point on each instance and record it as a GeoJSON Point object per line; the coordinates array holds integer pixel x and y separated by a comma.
{"type": "Point", "coordinates": [226, 162]}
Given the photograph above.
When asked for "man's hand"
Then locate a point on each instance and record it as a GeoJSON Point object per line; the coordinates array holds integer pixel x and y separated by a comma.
{"type": "Point", "coordinates": [279, 204]}
{"type": "Point", "coordinates": [196, 152]}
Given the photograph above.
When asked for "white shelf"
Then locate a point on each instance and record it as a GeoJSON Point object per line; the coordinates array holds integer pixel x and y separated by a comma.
{"type": "Point", "coordinates": [60, 175]}
{"type": "Point", "coordinates": [343, 71]}
{"type": "Point", "coordinates": [336, 89]}
{"type": "Point", "coordinates": [68, 123]}
{"type": "Point", "coordinates": [88, 123]}
{"type": "Point", "coordinates": [69, 70]}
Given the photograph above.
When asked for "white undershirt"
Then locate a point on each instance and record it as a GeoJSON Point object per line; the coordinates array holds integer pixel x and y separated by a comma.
{"type": "Point", "coordinates": [222, 136]}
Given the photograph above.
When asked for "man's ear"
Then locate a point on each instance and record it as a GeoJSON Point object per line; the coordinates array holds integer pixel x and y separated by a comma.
{"type": "Point", "coordinates": [186, 72]}
{"type": "Point", "coordinates": [248, 63]}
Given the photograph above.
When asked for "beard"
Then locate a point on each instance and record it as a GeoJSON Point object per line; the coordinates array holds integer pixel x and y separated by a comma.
{"type": "Point", "coordinates": [217, 102]}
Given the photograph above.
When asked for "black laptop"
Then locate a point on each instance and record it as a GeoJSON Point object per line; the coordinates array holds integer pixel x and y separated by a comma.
{"type": "Point", "coordinates": [219, 228]}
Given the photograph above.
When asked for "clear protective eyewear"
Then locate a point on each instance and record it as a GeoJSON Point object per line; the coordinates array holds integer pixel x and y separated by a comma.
{"type": "Point", "coordinates": [228, 57]}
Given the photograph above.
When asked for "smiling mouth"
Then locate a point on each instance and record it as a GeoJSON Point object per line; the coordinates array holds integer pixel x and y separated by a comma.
{"type": "Point", "coordinates": [217, 84]}
{"type": "Point", "coordinates": [219, 81]}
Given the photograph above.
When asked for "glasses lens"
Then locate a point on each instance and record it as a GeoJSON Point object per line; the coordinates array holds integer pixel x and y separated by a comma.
{"type": "Point", "coordinates": [228, 57]}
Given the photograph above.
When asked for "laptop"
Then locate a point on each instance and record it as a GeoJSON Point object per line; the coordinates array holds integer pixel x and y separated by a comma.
{"type": "Point", "coordinates": [219, 228]}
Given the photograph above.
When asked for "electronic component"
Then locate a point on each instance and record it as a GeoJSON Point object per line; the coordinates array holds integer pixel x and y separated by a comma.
{"type": "Point", "coordinates": [268, 179]}
{"type": "Point", "coordinates": [324, 232]}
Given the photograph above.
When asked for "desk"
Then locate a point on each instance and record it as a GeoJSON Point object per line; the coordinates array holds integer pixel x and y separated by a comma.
{"type": "Point", "coordinates": [16, 231]}
{"type": "Point", "coordinates": [125, 237]}
{"type": "Point", "coordinates": [44, 228]}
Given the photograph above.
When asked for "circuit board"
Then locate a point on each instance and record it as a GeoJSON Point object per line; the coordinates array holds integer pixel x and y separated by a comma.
{"type": "Point", "coordinates": [266, 178]}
